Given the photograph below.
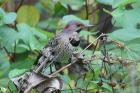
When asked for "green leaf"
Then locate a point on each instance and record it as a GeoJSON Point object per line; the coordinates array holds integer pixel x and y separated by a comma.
{"type": "Point", "coordinates": [125, 34]}
{"type": "Point", "coordinates": [62, 10]}
{"type": "Point", "coordinates": [97, 65]}
{"type": "Point", "coordinates": [4, 64]}
{"type": "Point", "coordinates": [8, 36]}
{"type": "Point", "coordinates": [134, 45]}
{"type": "Point", "coordinates": [130, 51]}
{"type": "Point", "coordinates": [23, 61]}
{"type": "Point", "coordinates": [75, 4]}
{"type": "Point", "coordinates": [31, 36]}
{"type": "Point", "coordinates": [28, 14]}
{"type": "Point", "coordinates": [4, 82]}
{"type": "Point", "coordinates": [80, 83]}
{"type": "Point", "coordinates": [128, 32]}
{"type": "Point", "coordinates": [126, 18]}
{"type": "Point", "coordinates": [136, 4]}
{"type": "Point", "coordinates": [49, 5]}
{"type": "Point", "coordinates": [16, 72]}
{"type": "Point", "coordinates": [130, 37]}
{"type": "Point", "coordinates": [2, 13]}
{"type": "Point", "coordinates": [25, 32]}
{"type": "Point", "coordinates": [107, 87]}
{"type": "Point", "coordinates": [46, 35]}
{"type": "Point", "coordinates": [134, 48]}
{"type": "Point", "coordinates": [66, 19]}
{"type": "Point", "coordinates": [66, 78]}
{"type": "Point", "coordinates": [9, 18]}
{"type": "Point", "coordinates": [25, 39]}
{"type": "Point", "coordinates": [69, 18]}
{"type": "Point", "coordinates": [121, 3]}
{"type": "Point", "coordinates": [50, 23]}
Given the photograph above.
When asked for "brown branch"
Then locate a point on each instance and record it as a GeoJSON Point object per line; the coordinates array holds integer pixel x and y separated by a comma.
{"type": "Point", "coordinates": [14, 53]}
{"type": "Point", "coordinates": [20, 4]}
{"type": "Point", "coordinates": [8, 54]}
{"type": "Point", "coordinates": [61, 69]}
{"type": "Point", "coordinates": [70, 88]}
{"type": "Point", "coordinates": [87, 12]}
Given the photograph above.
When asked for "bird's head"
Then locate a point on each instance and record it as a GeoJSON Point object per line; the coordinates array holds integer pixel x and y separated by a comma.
{"type": "Point", "coordinates": [75, 26]}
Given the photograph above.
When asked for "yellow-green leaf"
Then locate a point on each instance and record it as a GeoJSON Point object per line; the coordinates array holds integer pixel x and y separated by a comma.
{"type": "Point", "coordinates": [28, 14]}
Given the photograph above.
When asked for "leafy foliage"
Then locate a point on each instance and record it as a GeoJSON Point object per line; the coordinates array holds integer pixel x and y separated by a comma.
{"type": "Point", "coordinates": [25, 32]}
{"type": "Point", "coordinates": [7, 18]}
{"type": "Point", "coordinates": [28, 14]}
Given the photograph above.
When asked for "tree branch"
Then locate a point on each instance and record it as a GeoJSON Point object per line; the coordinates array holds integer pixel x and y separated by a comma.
{"type": "Point", "coordinates": [87, 12]}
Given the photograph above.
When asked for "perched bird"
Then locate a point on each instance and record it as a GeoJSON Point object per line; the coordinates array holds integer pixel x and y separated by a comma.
{"type": "Point", "coordinates": [59, 51]}
{"type": "Point", "coordinates": [61, 48]}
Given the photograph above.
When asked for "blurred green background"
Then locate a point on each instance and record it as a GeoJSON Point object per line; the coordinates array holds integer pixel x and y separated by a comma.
{"type": "Point", "coordinates": [27, 25]}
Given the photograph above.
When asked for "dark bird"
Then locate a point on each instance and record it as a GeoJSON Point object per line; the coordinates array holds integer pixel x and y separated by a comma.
{"type": "Point", "coordinates": [59, 51]}
{"type": "Point", "coordinates": [61, 48]}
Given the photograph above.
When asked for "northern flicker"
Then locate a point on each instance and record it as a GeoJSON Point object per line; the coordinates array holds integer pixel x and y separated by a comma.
{"type": "Point", "coordinates": [59, 51]}
{"type": "Point", "coordinates": [61, 48]}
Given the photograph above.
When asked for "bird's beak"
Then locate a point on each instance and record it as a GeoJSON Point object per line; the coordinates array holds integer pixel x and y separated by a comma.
{"type": "Point", "coordinates": [88, 26]}
{"type": "Point", "coordinates": [84, 27]}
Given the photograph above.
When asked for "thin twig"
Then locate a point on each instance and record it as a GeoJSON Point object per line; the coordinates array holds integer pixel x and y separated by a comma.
{"type": "Point", "coordinates": [20, 4]}
{"type": "Point", "coordinates": [96, 46]}
{"type": "Point", "coordinates": [87, 12]}
{"type": "Point", "coordinates": [8, 54]}
{"type": "Point", "coordinates": [15, 46]}
{"type": "Point", "coordinates": [70, 88]}
{"type": "Point", "coordinates": [92, 43]}
{"type": "Point", "coordinates": [14, 53]}
{"type": "Point", "coordinates": [61, 69]}
{"type": "Point", "coordinates": [76, 82]}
